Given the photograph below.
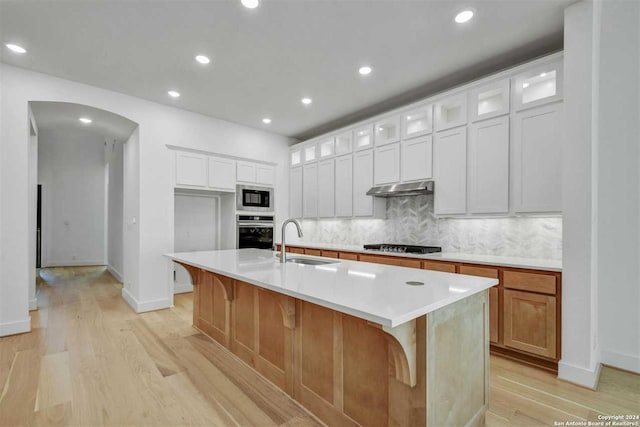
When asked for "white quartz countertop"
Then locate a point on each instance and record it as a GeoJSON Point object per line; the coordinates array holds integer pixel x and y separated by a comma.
{"type": "Point", "coordinates": [373, 292]}
{"type": "Point", "coordinates": [502, 261]}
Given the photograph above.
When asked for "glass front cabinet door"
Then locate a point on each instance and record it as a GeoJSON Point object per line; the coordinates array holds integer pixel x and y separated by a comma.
{"type": "Point", "coordinates": [538, 86]}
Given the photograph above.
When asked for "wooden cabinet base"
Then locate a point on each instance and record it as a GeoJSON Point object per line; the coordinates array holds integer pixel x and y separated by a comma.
{"type": "Point", "coordinates": [347, 371]}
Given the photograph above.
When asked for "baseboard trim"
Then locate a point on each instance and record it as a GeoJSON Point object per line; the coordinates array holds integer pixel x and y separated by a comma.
{"type": "Point", "coordinates": [627, 362]}
{"type": "Point", "coordinates": [13, 328]}
{"type": "Point", "coordinates": [74, 263]}
{"type": "Point", "coordinates": [144, 306]}
{"type": "Point", "coordinates": [182, 288]}
{"type": "Point", "coordinates": [115, 273]}
{"type": "Point", "coordinates": [578, 375]}
{"type": "Point", "coordinates": [33, 304]}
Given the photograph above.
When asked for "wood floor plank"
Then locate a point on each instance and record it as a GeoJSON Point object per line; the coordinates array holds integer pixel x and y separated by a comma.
{"type": "Point", "coordinates": [18, 398]}
{"type": "Point", "coordinates": [53, 416]}
{"type": "Point", "coordinates": [164, 358]}
{"type": "Point", "coordinates": [54, 385]}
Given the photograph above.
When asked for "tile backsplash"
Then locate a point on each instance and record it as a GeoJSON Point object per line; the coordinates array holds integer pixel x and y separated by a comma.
{"type": "Point", "coordinates": [410, 220]}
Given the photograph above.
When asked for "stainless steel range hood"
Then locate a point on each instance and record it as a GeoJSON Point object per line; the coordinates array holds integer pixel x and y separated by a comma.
{"type": "Point", "coordinates": [398, 190]}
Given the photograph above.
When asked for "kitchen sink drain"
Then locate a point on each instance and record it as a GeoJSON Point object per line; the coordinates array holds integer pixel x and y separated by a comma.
{"type": "Point", "coordinates": [414, 283]}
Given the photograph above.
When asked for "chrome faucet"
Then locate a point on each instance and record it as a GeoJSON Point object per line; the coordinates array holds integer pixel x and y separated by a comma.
{"type": "Point", "coordinates": [283, 245]}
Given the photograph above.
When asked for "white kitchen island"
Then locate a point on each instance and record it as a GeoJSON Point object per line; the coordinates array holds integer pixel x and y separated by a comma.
{"type": "Point", "coordinates": [356, 343]}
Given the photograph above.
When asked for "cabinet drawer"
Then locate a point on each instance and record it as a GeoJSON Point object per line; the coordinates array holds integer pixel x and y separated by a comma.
{"type": "Point", "coordinates": [533, 282]}
{"type": "Point", "coordinates": [390, 260]}
{"type": "Point", "coordinates": [478, 271]}
{"type": "Point", "coordinates": [447, 267]}
{"type": "Point", "coordinates": [350, 256]}
{"type": "Point", "coordinates": [295, 250]}
{"type": "Point", "coordinates": [314, 252]}
{"type": "Point", "coordinates": [330, 254]}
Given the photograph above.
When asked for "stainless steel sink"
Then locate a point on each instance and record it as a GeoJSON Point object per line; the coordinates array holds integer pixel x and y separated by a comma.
{"type": "Point", "coordinates": [309, 261]}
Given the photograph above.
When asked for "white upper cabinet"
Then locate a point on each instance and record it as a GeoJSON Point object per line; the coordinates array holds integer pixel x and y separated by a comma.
{"type": "Point", "coordinates": [246, 172]}
{"type": "Point", "coordinates": [310, 190]}
{"type": "Point", "coordinates": [540, 85]}
{"type": "Point", "coordinates": [417, 122]}
{"type": "Point", "coordinates": [222, 173]}
{"type": "Point", "coordinates": [489, 166]}
{"type": "Point", "coordinates": [387, 164]}
{"type": "Point", "coordinates": [265, 174]}
{"type": "Point", "coordinates": [295, 156]}
{"type": "Point", "coordinates": [387, 130]}
{"type": "Point", "coordinates": [255, 173]}
{"type": "Point", "coordinates": [344, 186]}
{"type": "Point", "coordinates": [451, 112]}
{"type": "Point", "coordinates": [450, 172]}
{"type": "Point", "coordinates": [417, 159]}
{"type": "Point", "coordinates": [489, 101]}
{"type": "Point", "coordinates": [310, 153]}
{"type": "Point", "coordinates": [344, 143]}
{"type": "Point", "coordinates": [295, 192]}
{"type": "Point", "coordinates": [191, 169]}
{"type": "Point", "coordinates": [326, 148]}
{"type": "Point", "coordinates": [362, 182]}
{"type": "Point", "coordinates": [363, 137]}
{"type": "Point", "coordinates": [537, 159]}
{"type": "Point", "coordinates": [326, 188]}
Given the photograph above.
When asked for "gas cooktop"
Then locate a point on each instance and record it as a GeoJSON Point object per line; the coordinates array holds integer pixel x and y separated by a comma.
{"type": "Point", "coordinates": [409, 249]}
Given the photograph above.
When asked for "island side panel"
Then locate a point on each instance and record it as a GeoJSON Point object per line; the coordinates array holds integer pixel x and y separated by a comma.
{"type": "Point", "coordinates": [262, 332]}
{"type": "Point", "coordinates": [345, 373]}
{"type": "Point", "coordinates": [458, 363]}
{"type": "Point", "coordinates": [212, 306]}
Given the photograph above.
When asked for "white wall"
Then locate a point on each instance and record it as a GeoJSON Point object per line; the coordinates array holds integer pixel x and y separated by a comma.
{"type": "Point", "coordinates": [580, 357]}
{"type": "Point", "coordinates": [33, 208]}
{"type": "Point", "coordinates": [159, 125]}
{"type": "Point", "coordinates": [114, 156]}
{"type": "Point", "coordinates": [71, 172]}
{"type": "Point", "coordinates": [618, 181]}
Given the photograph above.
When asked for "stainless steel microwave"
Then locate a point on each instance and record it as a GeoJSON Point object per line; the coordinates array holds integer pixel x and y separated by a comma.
{"type": "Point", "coordinates": [252, 198]}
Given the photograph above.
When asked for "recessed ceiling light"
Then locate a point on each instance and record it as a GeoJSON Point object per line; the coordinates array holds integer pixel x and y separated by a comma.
{"type": "Point", "coordinates": [250, 4]}
{"type": "Point", "coordinates": [525, 85]}
{"type": "Point", "coordinates": [85, 120]}
{"type": "Point", "coordinates": [203, 59]}
{"type": "Point", "coordinates": [366, 70]}
{"type": "Point", "coordinates": [306, 101]}
{"type": "Point", "coordinates": [464, 16]}
{"type": "Point", "coordinates": [266, 120]}
{"type": "Point", "coordinates": [15, 48]}
{"type": "Point", "coordinates": [543, 75]}
{"type": "Point", "coordinates": [174, 94]}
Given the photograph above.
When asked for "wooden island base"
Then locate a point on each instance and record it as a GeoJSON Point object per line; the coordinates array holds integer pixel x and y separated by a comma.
{"type": "Point", "coordinates": [348, 371]}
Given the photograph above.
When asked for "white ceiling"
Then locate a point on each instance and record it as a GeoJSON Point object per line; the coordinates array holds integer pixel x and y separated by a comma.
{"type": "Point", "coordinates": [266, 59]}
{"type": "Point", "coordinates": [64, 116]}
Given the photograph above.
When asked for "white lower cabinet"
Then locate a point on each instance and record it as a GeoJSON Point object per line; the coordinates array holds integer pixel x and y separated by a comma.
{"type": "Point", "coordinates": [417, 159]}
{"type": "Point", "coordinates": [537, 159]}
{"type": "Point", "coordinates": [310, 190]}
{"type": "Point", "coordinates": [326, 188]}
{"type": "Point", "coordinates": [295, 192]}
{"type": "Point", "coordinates": [191, 169]}
{"type": "Point", "coordinates": [387, 164]}
{"type": "Point", "coordinates": [222, 173]}
{"type": "Point", "coordinates": [362, 182]}
{"type": "Point", "coordinates": [450, 172]}
{"type": "Point", "coordinates": [489, 166]}
{"type": "Point", "coordinates": [344, 186]}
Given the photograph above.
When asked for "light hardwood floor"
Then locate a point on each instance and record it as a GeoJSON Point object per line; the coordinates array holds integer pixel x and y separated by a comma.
{"type": "Point", "coordinates": [92, 361]}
